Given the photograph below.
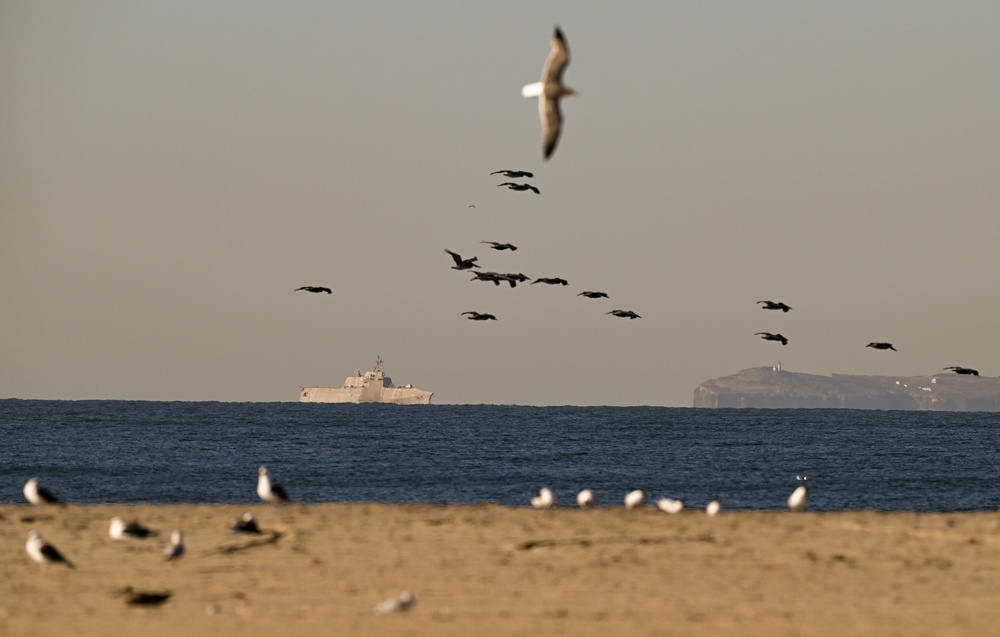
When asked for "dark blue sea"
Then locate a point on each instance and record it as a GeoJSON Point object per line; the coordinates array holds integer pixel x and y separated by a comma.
{"type": "Point", "coordinates": [208, 452]}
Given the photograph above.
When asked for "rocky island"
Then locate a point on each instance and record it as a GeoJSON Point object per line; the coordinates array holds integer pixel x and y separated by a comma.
{"type": "Point", "coordinates": [773, 387]}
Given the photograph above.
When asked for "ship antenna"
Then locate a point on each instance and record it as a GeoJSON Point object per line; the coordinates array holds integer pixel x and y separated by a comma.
{"type": "Point", "coordinates": [378, 362]}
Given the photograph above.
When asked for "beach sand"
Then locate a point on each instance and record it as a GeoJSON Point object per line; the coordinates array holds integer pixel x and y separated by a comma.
{"type": "Point", "coordinates": [485, 570]}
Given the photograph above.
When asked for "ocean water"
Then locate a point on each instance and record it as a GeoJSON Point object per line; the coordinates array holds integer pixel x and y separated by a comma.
{"type": "Point", "coordinates": [208, 452]}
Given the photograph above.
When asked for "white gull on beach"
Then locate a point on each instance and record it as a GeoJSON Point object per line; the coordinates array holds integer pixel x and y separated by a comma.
{"type": "Point", "coordinates": [269, 492]}
{"type": "Point", "coordinates": [37, 494]}
{"type": "Point", "coordinates": [634, 498]}
{"type": "Point", "coordinates": [175, 549]}
{"type": "Point", "coordinates": [798, 500]}
{"type": "Point", "coordinates": [121, 530]}
{"type": "Point", "coordinates": [549, 91]}
{"type": "Point", "coordinates": [43, 552]}
{"type": "Point", "coordinates": [669, 505]}
{"type": "Point", "coordinates": [544, 499]}
{"type": "Point", "coordinates": [586, 499]}
{"type": "Point", "coordinates": [398, 604]}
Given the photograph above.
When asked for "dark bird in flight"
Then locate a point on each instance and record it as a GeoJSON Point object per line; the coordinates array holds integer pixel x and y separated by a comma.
{"type": "Point", "coordinates": [314, 289]}
{"type": "Point", "coordinates": [496, 278]}
{"type": "Point", "coordinates": [521, 187]}
{"type": "Point", "coordinates": [550, 90]}
{"type": "Point", "coordinates": [552, 281]}
{"type": "Point", "coordinates": [882, 346]}
{"type": "Point", "coordinates": [767, 336]}
{"type": "Point", "coordinates": [964, 370]}
{"type": "Point", "coordinates": [476, 316]}
{"type": "Point", "coordinates": [771, 305]}
{"type": "Point", "coordinates": [629, 314]}
{"type": "Point", "coordinates": [501, 246]}
{"type": "Point", "coordinates": [513, 174]}
{"type": "Point", "coordinates": [594, 295]}
{"type": "Point", "coordinates": [462, 264]}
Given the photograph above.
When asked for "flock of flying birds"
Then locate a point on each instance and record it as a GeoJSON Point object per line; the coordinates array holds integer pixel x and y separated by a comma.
{"type": "Point", "coordinates": [882, 345]}
{"type": "Point", "coordinates": [549, 91]}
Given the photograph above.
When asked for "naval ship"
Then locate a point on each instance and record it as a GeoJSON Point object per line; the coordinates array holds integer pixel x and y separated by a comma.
{"type": "Point", "coordinates": [370, 387]}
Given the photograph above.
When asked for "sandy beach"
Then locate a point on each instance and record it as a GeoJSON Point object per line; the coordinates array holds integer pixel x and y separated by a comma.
{"type": "Point", "coordinates": [492, 570]}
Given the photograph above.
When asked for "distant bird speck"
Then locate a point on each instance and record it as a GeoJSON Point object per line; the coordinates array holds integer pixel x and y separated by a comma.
{"type": "Point", "coordinates": [175, 550]}
{"type": "Point", "coordinates": [399, 604]}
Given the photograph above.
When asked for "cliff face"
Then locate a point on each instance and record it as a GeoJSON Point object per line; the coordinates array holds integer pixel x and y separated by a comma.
{"type": "Point", "coordinates": [768, 388]}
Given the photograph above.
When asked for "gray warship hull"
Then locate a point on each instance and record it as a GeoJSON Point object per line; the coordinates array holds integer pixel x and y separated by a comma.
{"type": "Point", "coordinates": [370, 387]}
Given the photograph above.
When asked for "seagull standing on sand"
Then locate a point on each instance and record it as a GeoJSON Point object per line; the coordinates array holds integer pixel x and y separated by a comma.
{"type": "Point", "coordinates": [586, 499]}
{"type": "Point", "coordinates": [713, 508]}
{"type": "Point", "coordinates": [398, 604]}
{"type": "Point", "coordinates": [549, 91]}
{"type": "Point", "coordinates": [544, 499]}
{"type": "Point", "coordinates": [798, 500]}
{"type": "Point", "coordinates": [120, 530]}
{"type": "Point", "coordinates": [246, 524]}
{"type": "Point", "coordinates": [37, 494]}
{"type": "Point", "coordinates": [175, 549]}
{"type": "Point", "coordinates": [669, 505]}
{"type": "Point", "coordinates": [634, 499]}
{"type": "Point", "coordinates": [268, 492]}
{"type": "Point", "coordinates": [43, 552]}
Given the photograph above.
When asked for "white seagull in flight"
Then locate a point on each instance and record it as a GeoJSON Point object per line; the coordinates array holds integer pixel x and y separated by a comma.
{"type": "Point", "coordinates": [549, 91]}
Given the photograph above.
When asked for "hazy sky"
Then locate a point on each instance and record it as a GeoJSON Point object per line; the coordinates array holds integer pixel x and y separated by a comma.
{"type": "Point", "coordinates": [171, 171]}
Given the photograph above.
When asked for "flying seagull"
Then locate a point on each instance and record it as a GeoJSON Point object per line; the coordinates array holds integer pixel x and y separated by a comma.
{"type": "Point", "coordinates": [37, 494]}
{"type": "Point", "coordinates": [593, 295]}
{"type": "Point", "coordinates": [586, 499]}
{"type": "Point", "coordinates": [544, 499]}
{"type": "Point", "coordinates": [767, 336]}
{"type": "Point", "coordinates": [122, 530]}
{"type": "Point", "coordinates": [551, 281]}
{"type": "Point", "coordinates": [964, 370]}
{"type": "Point", "coordinates": [635, 498]}
{"type": "Point", "coordinates": [771, 305]}
{"type": "Point", "coordinates": [460, 263]}
{"type": "Point", "coordinates": [268, 492]}
{"type": "Point", "coordinates": [549, 91]}
{"type": "Point", "coordinates": [629, 314]}
{"type": "Point", "coordinates": [476, 316]}
{"type": "Point", "coordinates": [315, 289]}
{"type": "Point", "coordinates": [882, 346]}
{"type": "Point", "coordinates": [501, 246]}
{"type": "Point", "coordinates": [514, 174]}
{"type": "Point", "coordinates": [520, 187]}
{"type": "Point", "coordinates": [175, 550]}
{"type": "Point", "coordinates": [43, 552]}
